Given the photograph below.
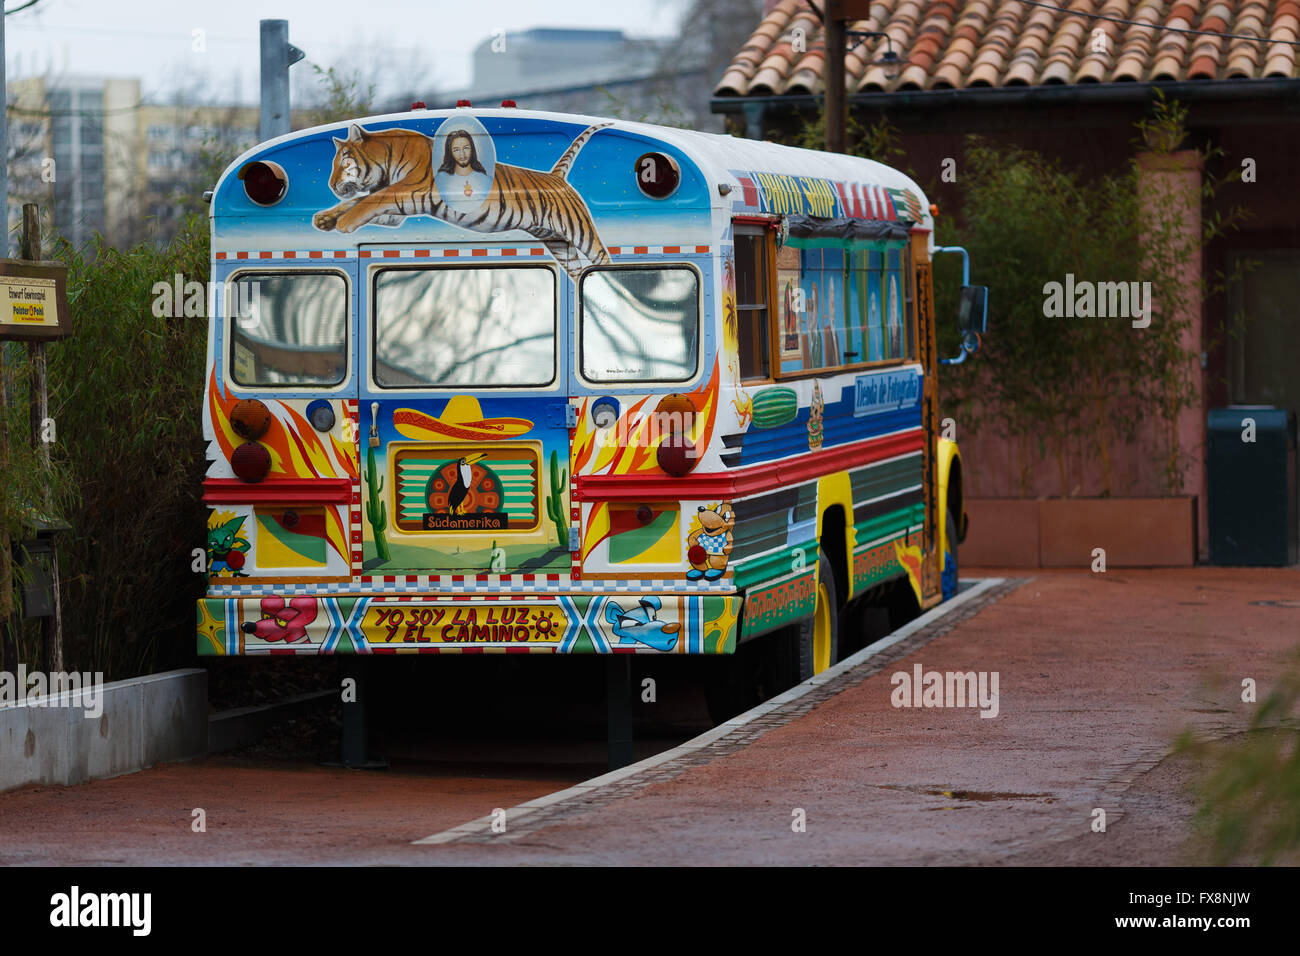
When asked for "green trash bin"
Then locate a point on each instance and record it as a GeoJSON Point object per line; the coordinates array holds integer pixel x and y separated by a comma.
{"type": "Point", "coordinates": [1252, 486]}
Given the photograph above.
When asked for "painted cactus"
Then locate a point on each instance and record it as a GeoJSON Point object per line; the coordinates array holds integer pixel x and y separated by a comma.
{"type": "Point", "coordinates": [555, 500]}
{"type": "Point", "coordinates": [376, 510]}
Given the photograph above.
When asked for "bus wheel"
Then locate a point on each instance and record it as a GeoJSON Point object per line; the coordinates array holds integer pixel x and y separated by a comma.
{"type": "Point", "coordinates": [948, 580]}
{"type": "Point", "coordinates": [826, 618]}
{"type": "Point", "coordinates": [813, 644]}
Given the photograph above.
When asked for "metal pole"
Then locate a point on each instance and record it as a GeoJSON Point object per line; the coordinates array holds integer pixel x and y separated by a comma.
{"type": "Point", "coordinates": [52, 624]}
{"type": "Point", "coordinates": [356, 713]}
{"type": "Point", "coordinates": [278, 54]}
{"type": "Point", "coordinates": [4, 142]}
{"type": "Point", "coordinates": [618, 703]}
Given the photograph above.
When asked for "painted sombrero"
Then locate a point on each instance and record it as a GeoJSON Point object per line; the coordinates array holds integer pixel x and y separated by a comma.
{"type": "Point", "coordinates": [461, 420]}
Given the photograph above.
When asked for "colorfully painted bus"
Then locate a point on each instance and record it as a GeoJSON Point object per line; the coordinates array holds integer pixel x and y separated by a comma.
{"type": "Point", "coordinates": [505, 381]}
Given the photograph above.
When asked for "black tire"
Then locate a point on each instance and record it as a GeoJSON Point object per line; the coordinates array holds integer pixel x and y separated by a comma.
{"type": "Point", "coordinates": [792, 660]}
{"type": "Point", "coordinates": [948, 577]}
{"type": "Point", "coordinates": [771, 664]}
{"type": "Point", "coordinates": [826, 574]}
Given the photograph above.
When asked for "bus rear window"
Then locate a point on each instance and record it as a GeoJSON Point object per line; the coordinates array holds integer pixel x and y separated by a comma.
{"type": "Point", "coordinates": [640, 325]}
{"type": "Point", "coordinates": [450, 327]}
{"type": "Point", "coordinates": [288, 328]}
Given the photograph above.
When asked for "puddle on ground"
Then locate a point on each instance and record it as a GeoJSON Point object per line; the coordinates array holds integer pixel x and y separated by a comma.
{"type": "Point", "coordinates": [979, 796]}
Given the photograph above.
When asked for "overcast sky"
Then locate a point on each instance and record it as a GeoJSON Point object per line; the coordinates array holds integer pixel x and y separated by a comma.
{"type": "Point", "coordinates": [155, 39]}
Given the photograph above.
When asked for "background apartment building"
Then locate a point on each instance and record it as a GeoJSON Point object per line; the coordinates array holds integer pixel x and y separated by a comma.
{"type": "Point", "coordinates": [97, 159]}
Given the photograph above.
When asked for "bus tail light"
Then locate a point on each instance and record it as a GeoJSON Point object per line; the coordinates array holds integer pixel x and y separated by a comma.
{"type": "Point", "coordinates": [251, 461]}
{"type": "Point", "coordinates": [250, 418]}
{"type": "Point", "coordinates": [321, 415]}
{"type": "Point", "coordinates": [676, 452]}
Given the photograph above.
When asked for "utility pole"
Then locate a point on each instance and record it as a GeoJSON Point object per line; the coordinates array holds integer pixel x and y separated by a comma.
{"type": "Point", "coordinates": [4, 139]}
{"type": "Point", "coordinates": [8, 653]}
{"type": "Point", "coordinates": [833, 75]}
{"type": "Point", "coordinates": [278, 54]}
{"type": "Point", "coordinates": [839, 14]}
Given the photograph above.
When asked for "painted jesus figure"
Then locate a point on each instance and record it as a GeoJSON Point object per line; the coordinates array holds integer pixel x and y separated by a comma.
{"type": "Point", "coordinates": [461, 179]}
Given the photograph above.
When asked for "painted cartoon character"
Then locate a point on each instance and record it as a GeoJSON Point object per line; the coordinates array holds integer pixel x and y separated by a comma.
{"type": "Point", "coordinates": [383, 176]}
{"type": "Point", "coordinates": [642, 625]}
{"type": "Point", "coordinates": [709, 545]}
{"type": "Point", "coordinates": [226, 548]}
{"type": "Point", "coordinates": [281, 624]}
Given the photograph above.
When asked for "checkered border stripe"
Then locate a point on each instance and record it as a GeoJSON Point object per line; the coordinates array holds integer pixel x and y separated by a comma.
{"type": "Point", "coordinates": [354, 506]}
{"type": "Point", "coordinates": [459, 253]}
{"type": "Point", "coordinates": [427, 586]}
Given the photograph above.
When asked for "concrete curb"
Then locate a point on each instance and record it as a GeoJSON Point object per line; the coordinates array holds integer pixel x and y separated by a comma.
{"type": "Point", "coordinates": [141, 722]}
{"type": "Point", "coordinates": [586, 789]}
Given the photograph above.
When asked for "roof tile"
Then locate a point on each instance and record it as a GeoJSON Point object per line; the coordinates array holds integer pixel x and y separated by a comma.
{"type": "Point", "coordinates": [959, 44]}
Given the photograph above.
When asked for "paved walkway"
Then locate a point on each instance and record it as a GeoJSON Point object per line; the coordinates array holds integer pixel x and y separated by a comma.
{"type": "Point", "coordinates": [1097, 675]}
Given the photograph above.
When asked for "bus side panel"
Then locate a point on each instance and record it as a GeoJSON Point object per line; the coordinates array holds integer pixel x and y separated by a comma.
{"type": "Point", "coordinates": [870, 418]}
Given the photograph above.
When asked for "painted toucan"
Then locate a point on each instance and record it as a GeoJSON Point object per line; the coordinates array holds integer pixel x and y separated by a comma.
{"type": "Point", "coordinates": [464, 478]}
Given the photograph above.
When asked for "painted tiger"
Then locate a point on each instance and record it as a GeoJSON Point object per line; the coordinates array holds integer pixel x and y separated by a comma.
{"type": "Point", "coordinates": [384, 176]}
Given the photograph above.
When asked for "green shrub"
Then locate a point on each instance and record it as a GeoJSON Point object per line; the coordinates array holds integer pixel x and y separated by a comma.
{"type": "Point", "coordinates": [126, 391]}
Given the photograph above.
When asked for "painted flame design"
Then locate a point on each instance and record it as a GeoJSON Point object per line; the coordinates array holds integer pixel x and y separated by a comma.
{"type": "Point", "coordinates": [296, 451]}
{"type": "Point", "coordinates": [601, 453]}
{"type": "Point", "coordinates": [910, 557]}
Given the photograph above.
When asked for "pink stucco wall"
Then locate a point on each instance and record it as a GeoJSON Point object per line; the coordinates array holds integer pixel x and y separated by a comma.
{"type": "Point", "coordinates": [998, 467]}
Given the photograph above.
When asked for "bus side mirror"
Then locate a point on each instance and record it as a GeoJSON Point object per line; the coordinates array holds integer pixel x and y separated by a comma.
{"type": "Point", "coordinates": [972, 320]}
{"type": "Point", "coordinates": [972, 314]}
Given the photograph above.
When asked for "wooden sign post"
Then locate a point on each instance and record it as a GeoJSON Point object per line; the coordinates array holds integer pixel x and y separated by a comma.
{"type": "Point", "coordinates": [33, 308]}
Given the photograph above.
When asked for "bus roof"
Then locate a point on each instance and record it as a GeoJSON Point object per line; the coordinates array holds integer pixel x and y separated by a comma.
{"type": "Point", "coordinates": [732, 176]}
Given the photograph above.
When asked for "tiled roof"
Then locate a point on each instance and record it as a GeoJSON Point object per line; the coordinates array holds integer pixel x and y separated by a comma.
{"type": "Point", "coordinates": [960, 44]}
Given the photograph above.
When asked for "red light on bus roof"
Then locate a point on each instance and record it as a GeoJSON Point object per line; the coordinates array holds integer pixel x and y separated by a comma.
{"type": "Point", "coordinates": [657, 175]}
{"type": "Point", "coordinates": [418, 105]}
{"type": "Point", "coordinates": [509, 104]}
{"type": "Point", "coordinates": [460, 103]}
{"type": "Point", "coordinates": [264, 182]}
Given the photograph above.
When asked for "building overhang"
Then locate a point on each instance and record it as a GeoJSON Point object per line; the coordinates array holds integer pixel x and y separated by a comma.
{"type": "Point", "coordinates": [930, 108]}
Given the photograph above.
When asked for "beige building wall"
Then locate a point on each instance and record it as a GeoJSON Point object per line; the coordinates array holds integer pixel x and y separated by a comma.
{"type": "Point", "coordinates": [30, 144]}
{"type": "Point", "coordinates": [113, 164]}
{"type": "Point", "coordinates": [123, 162]}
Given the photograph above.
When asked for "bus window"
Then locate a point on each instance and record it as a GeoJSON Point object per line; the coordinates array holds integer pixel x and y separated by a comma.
{"type": "Point", "coordinates": [906, 278]}
{"type": "Point", "coordinates": [823, 283]}
{"type": "Point", "coordinates": [885, 310]}
{"type": "Point", "coordinates": [894, 330]}
{"type": "Point", "coordinates": [448, 327]}
{"type": "Point", "coordinates": [751, 301]}
{"type": "Point", "coordinates": [292, 329]}
{"type": "Point", "coordinates": [640, 325]}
